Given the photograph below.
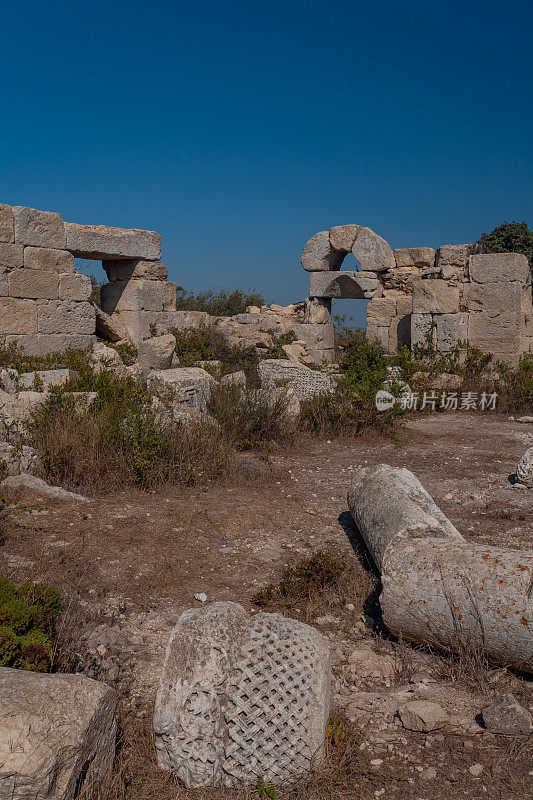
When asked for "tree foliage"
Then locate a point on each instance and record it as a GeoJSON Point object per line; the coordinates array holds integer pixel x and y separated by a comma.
{"type": "Point", "coordinates": [509, 237]}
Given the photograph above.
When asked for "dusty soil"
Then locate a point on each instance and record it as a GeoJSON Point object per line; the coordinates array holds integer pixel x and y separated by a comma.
{"type": "Point", "coordinates": [129, 563]}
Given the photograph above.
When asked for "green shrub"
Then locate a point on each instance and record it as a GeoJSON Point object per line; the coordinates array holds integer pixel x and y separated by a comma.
{"type": "Point", "coordinates": [209, 344]}
{"type": "Point", "coordinates": [304, 579]}
{"type": "Point", "coordinates": [28, 615]}
{"type": "Point", "coordinates": [218, 302]}
{"type": "Point", "coordinates": [509, 237]}
{"type": "Point", "coordinates": [249, 419]}
{"type": "Point", "coordinates": [14, 355]}
{"type": "Point", "coordinates": [277, 351]}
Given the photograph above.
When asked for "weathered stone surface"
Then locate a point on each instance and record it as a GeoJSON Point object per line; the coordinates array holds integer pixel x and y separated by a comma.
{"type": "Point", "coordinates": [524, 469]}
{"type": "Point", "coordinates": [372, 251]}
{"type": "Point", "coordinates": [455, 255]}
{"type": "Point", "coordinates": [422, 716]}
{"type": "Point", "coordinates": [58, 735]}
{"type": "Point", "coordinates": [495, 333]}
{"type": "Point", "coordinates": [348, 285]}
{"type": "Point", "coordinates": [389, 503]}
{"type": "Point", "coordinates": [19, 406]}
{"type": "Point", "coordinates": [368, 664]}
{"type": "Point", "coordinates": [381, 311]}
{"type": "Point", "coordinates": [506, 715]}
{"type": "Point", "coordinates": [66, 317]}
{"type": "Point", "coordinates": [342, 237]}
{"type": "Point", "coordinates": [419, 257]}
{"type": "Point", "coordinates": [17, 459]}
{"type": "Point", "coordinates": [434, 296]}
{"type": "Point", "coordinates": [48, 258]}
{"type": "Point", "coordinates": [492, 297]}
{"type": "Point", "coordinates": [18, 486]}
{"type": "Point", "coordinates": [234, 379]}
{"type": "Point", "coordinates": [400, 279]}
{"type": "Point", "coordinates": [138, 294]}
{"type": "Point", "coordinates": [189, 386]}
{"type": "Point", "coordinates": [317, 311]}
{"type": "Point", "coordinates": [17, 316]}
{"type": "Point", "coordinates": [135, 268]}
{"type": "Point", "coordinates": [9, 380]}
{"type": "Point", "coordinates": [499, 267]}
{"type": "Point", "coordinates": [11, 255]}
{"type": "Point", "coordinates": [102, 242]}
{"type": "Point", "coordinates": [306, 383]}
{"type": "Point", "coordinates": [39, 228]}
{"type": "Point", "coordinates": [241, 696]}
{"type": "Point", "coordinates": [33, 283]}
{"type": "Point", "coordinates": [318, 254]}
{"type": "Point", "coordinates": [40, 380]}
{"type": "Point", "coordinates": [103, 356]}
{"type": "Point", "coordinates": [107, 327]}
{"type": "Point", "coordinates": [40, 344]}
{"type": "Point", "coordinates": [7, 224]}
{"type": "Point", "coordinates": [451, 329]}
{"type": "Point", "coordinates": [156, 353]}
{"type": "Point", "coordinates": [420, 328]}
{"type": "Point", "coordinates": [75, 287]}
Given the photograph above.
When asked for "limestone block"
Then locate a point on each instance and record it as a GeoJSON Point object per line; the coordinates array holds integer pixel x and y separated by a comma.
{"type": "Point", "coordinates": [499, 267]}
{"type": "Point", "coordinates": [39, 228]}
{"type": "Point", "coordinates": [524, 469]}
{"type": "Point", "coordinates": [453, 258]}
{"type": "Point", "coordinates": [109, 327]}
{"type": "Point", "coordinates": [17, 459]}
{"type": "Point", "coordinates": [17, 315]}
{"type": "Point", "coordinates": [58, 735]}
{"type": "Point", "coordinates": [135, 268]}
{"type": "Point", "coordinates": [389, 503]}
{"type": "Point", "coordinates": [138, 295]}
{"type": "Point", "coordinates": [495, 333]}
{"type": "Point", "coordinates": [189, 386]}
{"type": "Point", "coordinates": [157, 352]}
{"type": "Point", "coordinates": [234, 379]}
{"type": "Point", "coordinates": [38, 344]}
{"type": "Point", "coordinates": [45, 378]}
{"type": "Point", "coordinates": [492, 297]}
{"type": "Point", "coordinates": [75, 287]}
{"type": "Point", "coordinates": [33, 283]}
{"type": "Point", "coordinates": [48, 258]}
{"type": "Point", "coordinates": [11, 255]}
{"type": "Point", "coordinates": [7, 224]}
{"type": "Point", "coordinates": [506, 715]}
{"type": "Point", "coordinates": [381, 311]}
{"type": "Point", "coordinates": [434, 296]}
{"type": "Point", "coordinates": [419, 257]}
{"type": "Point", "coordinates": [306, 383]}
{"type": "Point", "coordinates": [420, 328]}
{"type": "Point", "coordinates": [66, 317]}
{"type": "Point", "coordinates": [450, 330]}
{"type": "Point", "coordinates": [342, 237]}
{"type": "Point", "coordinates": [240, 696]}
{"type": "Point", "coordinates": [103, 356]}
{"type": "Point", "coordinates": [318, 254]}
{"type": "Point", "coordinates": [317, 310]}
{"type": "Point", "coordinates": [347, 285]}
{"type": "Point", "coordinates": [315, 336]}
{"type": "Point", "coordinates": [400, 279]}
{"type": "Point", "coordinates": [372, 251]}
{"type": "Point", "coordinates": [378, 334]}
{"type": "Point", "coordinates": [102, 242]}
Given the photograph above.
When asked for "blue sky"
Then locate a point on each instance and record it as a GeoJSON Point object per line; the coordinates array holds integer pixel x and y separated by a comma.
{"type": "Point", "coordinates": [238, 130]}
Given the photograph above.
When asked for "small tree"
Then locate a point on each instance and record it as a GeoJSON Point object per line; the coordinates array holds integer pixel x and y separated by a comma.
{"type": "Point", "coordinates": [509, 237]}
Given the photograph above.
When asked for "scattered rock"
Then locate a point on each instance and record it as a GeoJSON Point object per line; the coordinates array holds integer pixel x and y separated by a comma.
{"type": "Point", "coordinates": [19, 458]}
{"type": "Point", "coordinates": [422, 716]}
{"type": "Point", "coordinates": [157, 353]}
{"type": "Point", "coordinates": [524, 419]}
{"type": "Point", "coordinates": [234, 379]}
{"type": "Point", "coordinates": [201, 597]}
{"type": "Point", "coordinates": [476, 770]}
{"type": "Point", "coordinates": [524, 470]}
{"type": "Point", "coordinates": [428, 774]}
{"type": "Point", "coordinates": [40, 380]}
{"type": "Point", "coordinates": [18, 485]}
{"type": "Point", "coordinates": [103, 356]}
{"type": "Point", "coordinates": [372, 665]}
{"type": "Point", "coordinates": [506, 715]}
{"type": "Point", "coordinates": [185, 386]}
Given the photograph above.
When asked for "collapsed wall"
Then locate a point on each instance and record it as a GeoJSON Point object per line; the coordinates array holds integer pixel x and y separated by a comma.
{"type": "Point", "coordinates": [456, 294]}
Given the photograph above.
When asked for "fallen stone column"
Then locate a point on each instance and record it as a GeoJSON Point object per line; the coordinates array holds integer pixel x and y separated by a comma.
{"type": "Point", "coordinates": [436, 587]}
{"type": "Point", "coordinates": [387, 503]}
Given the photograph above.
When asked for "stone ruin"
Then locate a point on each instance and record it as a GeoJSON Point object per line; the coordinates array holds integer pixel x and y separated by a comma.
{"type": "Point", "coordinates": [456, 294]}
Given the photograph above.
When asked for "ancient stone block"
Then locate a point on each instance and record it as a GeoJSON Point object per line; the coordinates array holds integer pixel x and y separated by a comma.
{"type": "Point", "coordinates": [11, 255]}
{"type": "Point", "coordinates": [492, 297]}
{"type": "Point", "coordinates": [434, 296]}
{"type": "Point", "coordinates": [494, 333]}
{"type": "Point", "coordinates": [241, 696]}
{"type": "Point", "coordinates": [75, 287]}
{"type": "Point", "coordinates": [138, 295]}
{"type": "Point", "coordinates": [372, 251]}
{"type": "Point", "coordinates": [102, 242]}
{"type": "Point", "coordinates": [44, 378]}
{"type": "Point", "coordinates": [378, 334]}
{"type": "Point", "coordinates": [39, 344]}
{"type": "Point", "coordinates": [109, 327]}
{"type": "Point", "coordinates": [17, 315]}
{"type": "Point", "coordinates": [499, 267]}
{"type": "Point", "coordinates": [306, 383]}
{"type": "Point", "coordinates": [381, 311]}
{"type": "Point", "coordinates": [524, 469]}
{"type": "Point", "coordinates": [66, 317]}
{"type": "Point", "coordinates": [455, 255]}
{"type": "Point", "coordinates": [421, 325]}
{"type": "Point", "coordinates": [189, 386]}
{"type": "Point", "coordinates": [348, 285]}
{"type": "Point", "coordinates": [48, 258]}
{"type": "Point", "coordinates": [419, 257]}
{"type": "Point", "coordinates": [400, 279]}
{"type": "Point", "coordinates": [135, 268]}
{"type": "Point", "coordinates": [157, 352]}
{"type": "Point", "coordinates": [451, 329]}
{"type": "Point", "coordinates": [7, 224]}
{"type": "Point", "coordinates": [342, 237]}
{"type": "Point", "coordinates": [33, 283]}
{"type": "Point", "coordinates": [316, 337]}
{"type": "Point", "coordinates": [318, 254]}
{"type": "Point", "coordinates": [317, 310]}
{"type": "Point", "coordinates": [58, 735]}
{"type": "Point", "coordinates": [39, 228]}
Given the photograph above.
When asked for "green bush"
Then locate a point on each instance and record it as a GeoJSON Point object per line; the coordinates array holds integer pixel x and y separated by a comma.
{"type": "Point", "coordinates": [249, 419]}
{"type": "Point", "coordinates": [28, 615]}
{"type": "Point", "coordinates": [209, 344]}
{"type": "Point", "coordinates": [509, 237]}
{"type": "Point", "coordinates": [218, 302]}
{"type": "Point", "coordinates": [13, 355]}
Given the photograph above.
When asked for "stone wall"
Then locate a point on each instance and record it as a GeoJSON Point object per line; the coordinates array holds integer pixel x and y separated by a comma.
{"type": "Point", "coordinates": [453, 295]}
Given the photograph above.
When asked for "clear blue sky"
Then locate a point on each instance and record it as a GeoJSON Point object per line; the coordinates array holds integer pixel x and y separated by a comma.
{"type": "Point", "coordinates": [237, 130]}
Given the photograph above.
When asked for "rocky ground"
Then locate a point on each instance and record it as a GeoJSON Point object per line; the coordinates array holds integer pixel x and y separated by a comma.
{"type": "Point", "coordinates": [129, 563]}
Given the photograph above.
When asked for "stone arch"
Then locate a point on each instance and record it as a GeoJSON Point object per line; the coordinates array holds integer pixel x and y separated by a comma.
{"type": "Point", "coordinates": [326, 250]}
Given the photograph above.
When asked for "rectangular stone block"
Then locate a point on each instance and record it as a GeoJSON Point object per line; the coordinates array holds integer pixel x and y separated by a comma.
{"type": "Point", "coordinates": [102, 242]}
{"type": "Point", "coordinates": [434, 296]}
{"type": "Point", "coordinates": [381, 311]}
{"type": "Point", "coordinates": [38, 344]}
{"type": "Point", "coordinates": [455, 255]}
{"type": "Point", "coordinates": [7, 224]}
{"type": "Point", "coordinates": [343, 284]}
{"type": "Point", "coordinates": [378, 334]}
{"type": "Point", "coordinates": [75, 287]}
{"type": "Point", "coordinates": [451, 329]}
{"type": "Point", "coordinates": [33, 283]}
{"type": "Point", "coordinates": [421, 325]}
{"type": "Point", "coordinates": [11, 255]}
{"type": "Point", "coordinates": [499, 268]}
{"type": "Point", "coordinates": [65, 317]}
{"type": "Point", "coordinates": [49, 259]}
{"type": "Point", "coordinates": [39, 228]}
{"type": "Point", "coordinates": [492, 297]}
{"type": "Point", "coordinates": [495, 333]}
{"type": "Point", "coordinates": [135, 268]}
{"type": "Point", "coordinates": [419, 257]}
{"type": "Point", "coordinates": [138, 295]}
{"type": "Point", "coordinates": [17, 315]}
{"type": "Point", "coordinates": [316, 337]}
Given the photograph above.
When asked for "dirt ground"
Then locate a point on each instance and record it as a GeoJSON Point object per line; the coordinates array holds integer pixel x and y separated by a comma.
{"type": "Point", "coordinates": [128, 564]}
